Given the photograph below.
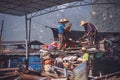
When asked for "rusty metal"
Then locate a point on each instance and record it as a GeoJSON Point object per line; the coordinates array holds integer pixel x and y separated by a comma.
{"type": "Point", "coordinates": [9, 77]}
{"type": "Point", "coordinates": [107, 75]}
{"type": "Point", "coordinates": [31, 77]}
{"type": "Point", "coordinates": [8, 69]}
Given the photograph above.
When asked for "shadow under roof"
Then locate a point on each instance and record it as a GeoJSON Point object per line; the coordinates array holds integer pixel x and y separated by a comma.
{"type": "Point", "coordinates": [22, 7]}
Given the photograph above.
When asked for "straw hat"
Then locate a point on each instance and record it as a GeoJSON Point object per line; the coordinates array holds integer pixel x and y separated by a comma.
{"type": "Point", "coordinates": [84, 49]}
{"type": "Point", "coordinates": [63, 20]}
{"type": "Point", "coordinates": [82, 23]}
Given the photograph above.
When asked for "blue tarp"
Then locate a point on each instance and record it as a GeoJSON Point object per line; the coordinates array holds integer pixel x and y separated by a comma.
{"type": "Point", "coordinates": [80, 72]}
{"type": "Point", "coordinates": [34, 62]}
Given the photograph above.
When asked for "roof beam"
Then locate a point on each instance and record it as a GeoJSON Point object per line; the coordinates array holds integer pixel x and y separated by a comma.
{"type": "Point", "coordinates": [40, 7]}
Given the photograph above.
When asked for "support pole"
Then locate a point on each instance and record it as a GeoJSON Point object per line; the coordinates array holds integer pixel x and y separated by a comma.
{"type": "Point", "coordinates": [1, 31]}
{"type": "Point", "coordinates": [29, 29]}
{"type": "Point", "coordinates": [29, 35]}
{"type": "Point", "coordinates": [27, 54]}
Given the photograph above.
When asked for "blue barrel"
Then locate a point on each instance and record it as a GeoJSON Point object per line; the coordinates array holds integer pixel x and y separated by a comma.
{"type": "Point", "coordinates": [14, 62]}
{"type": "Point", "coordinates": [34, 62]}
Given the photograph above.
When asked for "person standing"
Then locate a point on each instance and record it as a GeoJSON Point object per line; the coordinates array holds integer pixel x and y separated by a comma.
{"type": "Point", "coordinates": [67, 30]}
{"type": "Point", "coordinates": [61, 34]}
{"type": "Point", "coordinates": [68, 40]}
{"type": "Point", "coordinates": [90, 32]}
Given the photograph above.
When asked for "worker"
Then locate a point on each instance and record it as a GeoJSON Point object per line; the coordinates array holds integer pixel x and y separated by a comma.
{"type": "Point", "coordinates": [61, 35]}
{"type": "Point", "coordinates": [105, 45]}
{"type": "Point", "coordinates": [86, 58]}
{"type": "Point", "coordinates": [68, 40]}
{"type": "Point", "coordinates": [67, 30]}
{"type": "Point", "coordinates": [90, 31]}
{"type": "Point", "coordinates": [85, 55]}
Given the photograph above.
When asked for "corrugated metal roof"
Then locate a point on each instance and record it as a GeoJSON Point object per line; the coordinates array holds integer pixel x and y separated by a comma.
{"type": "Point", "coordinates": [22, 7]}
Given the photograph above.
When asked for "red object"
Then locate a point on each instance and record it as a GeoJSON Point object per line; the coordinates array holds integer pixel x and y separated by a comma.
{"type": "Point", "coordinates": [45, 46]}
{"type": "Point", "coordinates": [54, 44]}
{"type": "Point", "coordinates": [48, 61]}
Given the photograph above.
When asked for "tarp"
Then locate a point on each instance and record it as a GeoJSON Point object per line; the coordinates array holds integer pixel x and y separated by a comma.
{"type": "Point", "coordinates": [80, 72]}
{"type": "Point", "coordinates": [76, 35]}
{"type": "Point", "coordinates": [36, 43]}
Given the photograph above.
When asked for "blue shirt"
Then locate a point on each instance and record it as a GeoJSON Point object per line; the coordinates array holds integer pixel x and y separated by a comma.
{"type": "Point", "coordinates": [61, 28]}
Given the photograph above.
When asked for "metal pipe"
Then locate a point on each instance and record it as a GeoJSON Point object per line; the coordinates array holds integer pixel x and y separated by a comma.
{"type": "Point", "coordinates": [27, 55]}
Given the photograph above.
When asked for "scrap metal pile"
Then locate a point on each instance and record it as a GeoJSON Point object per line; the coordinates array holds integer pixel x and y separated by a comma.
{"type": "Point", "coordinates": [59, 64]}
{"type": "Point", "coordinates": [68, 63]}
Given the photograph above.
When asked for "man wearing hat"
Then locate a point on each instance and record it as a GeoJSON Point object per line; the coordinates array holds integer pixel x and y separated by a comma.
{"type": "Point", "coordinates": [90, 31]}
{"type": "Point", "coordinates": [61, 35]}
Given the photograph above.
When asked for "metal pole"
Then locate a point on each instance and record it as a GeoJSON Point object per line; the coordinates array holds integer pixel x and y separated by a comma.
{"type": "Point", "coordinates": [27, 55]}
{"type": "Point", "coordinates": [29, 29]}
{"type": "Point", "coordinates": [9, 61]}
{"type": "Point", "coordinates": [1, 31]}
{"type": "Point", "coordinates": [29, 35]}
